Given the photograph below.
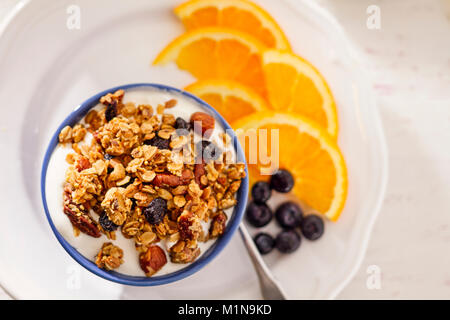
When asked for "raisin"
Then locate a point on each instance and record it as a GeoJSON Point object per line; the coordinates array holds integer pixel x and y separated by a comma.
{"type": "Point", "coordinates": [180, 123]}
{"type": "Point", "coordinates": [111, 111]}
{"type": "Point", "coordinates": [107, 224]}
{"type": "Point", "coordinates": [155, 211]}
{"type": "Point", "coordinates": [207, 150]}
{"type": "Point", "coordinates": [158, 142]}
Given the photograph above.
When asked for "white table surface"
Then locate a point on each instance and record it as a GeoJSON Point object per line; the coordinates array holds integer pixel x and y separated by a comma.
{"type": "Point", "coordinates": [408, 62]}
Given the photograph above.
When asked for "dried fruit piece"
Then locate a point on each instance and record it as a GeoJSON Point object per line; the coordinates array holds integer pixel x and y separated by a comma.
{"type": "Point", "coordinates": [107, 224]}
{"type": "Point", "coordinates": [158, 142]}
{"type": "Point", "coordinates": [155, 211]}
{"type": "Point", "coordinates": [202, 123]}
{"type": "Point", "coordinates": [152, 260]}
{"type": "Point", "coordinates": [111, 111]}
{"type": "Point", "coordinates": [79, 216]}
{"type": "Point", "coordinates": [180, 123]}
{"type": "Point", "coordinates": [207, 150]}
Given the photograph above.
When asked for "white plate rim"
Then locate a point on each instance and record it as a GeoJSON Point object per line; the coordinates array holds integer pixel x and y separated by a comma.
{"type": "Point", "coordinates": [377, 127]}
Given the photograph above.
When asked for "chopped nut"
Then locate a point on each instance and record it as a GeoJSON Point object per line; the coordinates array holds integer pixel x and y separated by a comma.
{"type": "Point", "coordinates": [152, 260]}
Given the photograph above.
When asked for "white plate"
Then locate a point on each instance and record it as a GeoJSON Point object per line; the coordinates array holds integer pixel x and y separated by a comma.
{"type": "Point", "coordinates": [47, 69]}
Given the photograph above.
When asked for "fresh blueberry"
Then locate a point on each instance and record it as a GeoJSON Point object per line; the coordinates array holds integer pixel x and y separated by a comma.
{"type": "Point", "coordinates": [208, 150]}
{"type": "Point", "coordinates": [264, 242]}
{"type": "Point", "coordinates": [312, 227]}
{"type": "Point", "coordinates": [107, 156]}
{"type": "Point", "coordinates": [107, 224]}
{"type": "Point", "coordinates": [261, 192]}
{"type": "Point", "coordinates": [287, 241]}
{"type": "Point", "coordinates": [155, 211]}
{"type": "Point", "coordinates": [111, 111]}
{"type": "Point", "coordinates": [258, 214]}
{"type": "Point", "coordinates": [158, 142]}
{"type": "Point", "coordinates": [282, 181]}
{"type": "Point", "coordinates": [289, 215]}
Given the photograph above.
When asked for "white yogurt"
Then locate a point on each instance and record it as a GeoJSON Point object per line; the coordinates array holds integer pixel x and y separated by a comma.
{"type": "Point", "coordinates": [55, 179]}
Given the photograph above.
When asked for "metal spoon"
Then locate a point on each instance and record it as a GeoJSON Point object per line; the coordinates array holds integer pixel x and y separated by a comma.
{"type": "Point", "coordinates": [270, 288]}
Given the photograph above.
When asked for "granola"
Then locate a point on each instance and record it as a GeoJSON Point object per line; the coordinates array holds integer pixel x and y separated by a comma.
{"type": "Point", "coordinates": [143, 176]}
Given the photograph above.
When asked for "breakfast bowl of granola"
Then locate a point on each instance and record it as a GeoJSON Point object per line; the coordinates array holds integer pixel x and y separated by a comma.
{"type": "Point", "coordinates": [144, 184]}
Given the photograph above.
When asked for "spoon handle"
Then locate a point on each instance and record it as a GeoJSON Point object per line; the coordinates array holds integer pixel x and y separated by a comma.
{"type": "Point", "coordinates": [270, 288]}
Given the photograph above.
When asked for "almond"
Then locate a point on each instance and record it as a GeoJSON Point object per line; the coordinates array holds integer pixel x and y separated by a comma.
{"type": "Point", "coordinates": [152, 260]}
{"type": "Point", "coordinates": [202, 123]}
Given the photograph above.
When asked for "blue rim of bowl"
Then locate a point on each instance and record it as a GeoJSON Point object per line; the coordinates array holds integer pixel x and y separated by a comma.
{"type": "Point", "coordinates": [191, 268]}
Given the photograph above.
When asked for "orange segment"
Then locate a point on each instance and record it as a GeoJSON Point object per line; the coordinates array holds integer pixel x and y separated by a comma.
{"type": "Point", "coordinates": [231, 99]}
{"type": "Point", "coordinates": [294, 85]}
{"type": "Point", "coordinates": [218, 53]}
{"type": "Point", "coordinates": [240, 15]}
{"type": "Point", "coordinates": [307, 151]}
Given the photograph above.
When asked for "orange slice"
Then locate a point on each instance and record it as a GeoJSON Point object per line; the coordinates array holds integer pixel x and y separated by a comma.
{"type": "Point", "coordinates": [294, 85]}
{"type": "Point", "coordinates": [303, 148]}
{"type": "Point", "coordinates": [218, 53]}
{"type": "Point", "coordinates": [241, 15]}
{"type": "Point", "coordinates": [231, 99]}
